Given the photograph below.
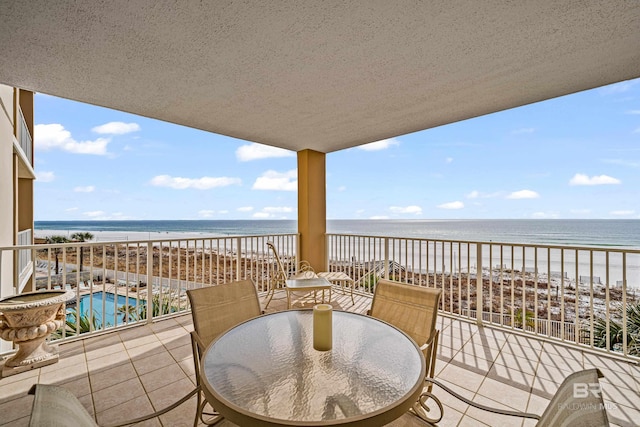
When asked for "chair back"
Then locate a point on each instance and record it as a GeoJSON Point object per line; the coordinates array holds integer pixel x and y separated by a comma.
{"type": "Point", "coordinates": [217, 308]}
{"type": "Point", "coordinates": [280, 276]}
{"type": "Point", "coordinates": [411, 308]}
{"type": "Point", "coordinates": [54, 405]}
{"type": "Point", "coordinates": [577, 403]}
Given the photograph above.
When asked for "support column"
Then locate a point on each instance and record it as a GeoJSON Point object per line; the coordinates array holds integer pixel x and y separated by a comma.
{"type": "Point", "coordinates": [312, 208]}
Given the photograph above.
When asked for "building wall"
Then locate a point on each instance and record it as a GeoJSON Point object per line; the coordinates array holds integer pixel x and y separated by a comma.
{"type": "Point", "coordinates": [16, 185]}
{"type": "Point", "coordinates": [7, 225]}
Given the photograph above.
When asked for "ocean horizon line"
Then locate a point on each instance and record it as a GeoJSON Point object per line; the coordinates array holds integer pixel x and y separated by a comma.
{"type": "Point", "coordinates": [569, 232]}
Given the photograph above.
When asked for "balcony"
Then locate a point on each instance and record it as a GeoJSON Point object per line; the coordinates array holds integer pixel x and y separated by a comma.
{"type": "Point", "coordinates": [128, 363]}
{"type": "Point", "coordinates": [24, 138]}
{"type": "Point", "coordinates": [129, 372]}
{"type": "Point", "coordinates": [25, 238]}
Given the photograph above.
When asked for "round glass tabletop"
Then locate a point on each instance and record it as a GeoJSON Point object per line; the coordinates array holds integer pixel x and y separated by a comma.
{"type": "Point", "coordinates": [266, 370]}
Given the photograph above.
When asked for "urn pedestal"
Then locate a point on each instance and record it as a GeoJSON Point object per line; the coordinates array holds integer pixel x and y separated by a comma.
{"type": "Point", "coordinates": [27, 320]}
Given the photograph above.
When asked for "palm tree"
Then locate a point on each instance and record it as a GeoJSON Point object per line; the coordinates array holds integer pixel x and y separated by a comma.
{"type": "Point", "coordinates": [159, 306]}
{"type": "Point", "coordinates": [528, 320]}
{"type": "Point", "coordinates": [616, 334]}
{"type": "Point", "coordinates": [56, 251]}
{"type": "Point", "coordinates": [81, 237]}
{"type": "Point", "coordinates": [87, 323]}
{"type": "Point", "coordinates": [129, 312]}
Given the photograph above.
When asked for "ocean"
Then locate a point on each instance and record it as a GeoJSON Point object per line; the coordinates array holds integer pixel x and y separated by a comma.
{"type": "Point", "coordinates": [572, 232]}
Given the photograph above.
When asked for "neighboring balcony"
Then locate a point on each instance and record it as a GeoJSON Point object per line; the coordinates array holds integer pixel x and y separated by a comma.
{"type": "Point", "coordinates": [25, 262]}
{"type": "Point", "coordinates": [25, 139]}
{"type": "Point", "coordinates": [545, 311]}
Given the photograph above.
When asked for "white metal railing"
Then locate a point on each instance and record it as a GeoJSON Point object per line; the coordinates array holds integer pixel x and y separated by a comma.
{"type": "Point", "coordinates": [121, 283]}
{"type": "Point", "coordinates": [534, 289]}
{"type": "Point", "coordinates": [24, 137]}
{"type": "Point", "coordinates": [578, 295]}
{"type": "Point", "coordinates": [25, 238]}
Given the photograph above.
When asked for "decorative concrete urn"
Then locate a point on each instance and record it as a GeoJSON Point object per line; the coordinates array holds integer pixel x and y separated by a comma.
{"type": "Point", "coordinates": [27, 320]}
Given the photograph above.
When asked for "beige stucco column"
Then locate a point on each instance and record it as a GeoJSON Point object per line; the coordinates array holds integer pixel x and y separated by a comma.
{"type": "Point", "coordinates": [312, 208]}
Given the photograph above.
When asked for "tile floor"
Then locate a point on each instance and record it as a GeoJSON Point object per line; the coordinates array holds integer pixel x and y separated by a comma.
{"type": "Point", "coordinates": [125, 374]}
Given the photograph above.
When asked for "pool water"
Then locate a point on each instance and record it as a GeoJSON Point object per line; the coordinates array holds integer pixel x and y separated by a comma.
{"type": "Point", "coordinates": [111, 306]}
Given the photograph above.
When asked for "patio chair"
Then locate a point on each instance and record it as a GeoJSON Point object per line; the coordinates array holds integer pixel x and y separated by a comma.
{"type": "Point", "coordinates": [567, 408]}
{"type": "Point", "coordinates": [54, 405]}
{"type": "Point", "coordinates": [414, 310]}
{"type": "Point", "coordinates": [280, 276]}
{"type": "Point", "coordinates": [214, 310]}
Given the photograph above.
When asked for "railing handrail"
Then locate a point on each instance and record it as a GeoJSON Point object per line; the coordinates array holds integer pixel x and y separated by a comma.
{"type": "Point", "coordinates": [569, 293]}
{"type": "Point", "coordinates": [88, 243]}
{"type": "Point", "coordinates": [523, 280]}
{"type": "Point", "coordinates": [492, 242]}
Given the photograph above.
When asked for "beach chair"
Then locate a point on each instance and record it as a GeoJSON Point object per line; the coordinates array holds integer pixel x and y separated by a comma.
{"type": "Point", "coordinates": [55, 405]}
{"type": "Point", "coordinates": [414, 310]}
{"type": "Point", "coordinates": [214, 310]}
{"type": "Point", "coordinates": [280, 275]}
{"type": "Point", "coordinates": [567, 408]}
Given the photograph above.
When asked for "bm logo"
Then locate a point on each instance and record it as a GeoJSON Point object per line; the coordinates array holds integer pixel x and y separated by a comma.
{"type": "Point", "coordinates": [583, 390]}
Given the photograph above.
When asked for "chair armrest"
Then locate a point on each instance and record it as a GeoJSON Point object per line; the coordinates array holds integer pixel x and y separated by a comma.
{"type": "Point", "coordinates": [426, 345]}
{"type": "Point", "coordinates": [479, 406]}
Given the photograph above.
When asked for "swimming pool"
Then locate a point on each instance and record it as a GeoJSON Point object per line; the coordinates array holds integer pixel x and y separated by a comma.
{"type": "Point", "coordinates": [111, 305]}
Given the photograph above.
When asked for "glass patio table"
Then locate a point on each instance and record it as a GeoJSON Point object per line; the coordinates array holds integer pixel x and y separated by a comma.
{"type": "Point", "coordinates": [265, 372]}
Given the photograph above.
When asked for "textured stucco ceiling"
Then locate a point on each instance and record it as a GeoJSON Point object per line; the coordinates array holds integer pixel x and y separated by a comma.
{"type": "Point", "coordinates": [323, 75]}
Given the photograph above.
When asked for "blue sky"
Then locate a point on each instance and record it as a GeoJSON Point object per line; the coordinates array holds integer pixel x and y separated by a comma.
{"type": "Point", "coordinates": [576, 156]}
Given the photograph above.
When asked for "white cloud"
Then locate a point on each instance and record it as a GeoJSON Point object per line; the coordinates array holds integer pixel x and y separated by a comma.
{"type": "Point", "coordinates": [272, 180]}
{"type": "Point", "coordinates": [622, 212]}
{"type": "Point", "coordinates": [379, 217]}
{"type": "Point", "coordinates": [223, 212]}
{"type": "Point", "coordinates": [448, 160]}
{"type": "Point", "coordinates": [622, 162]}
{"type": "Point", "coordinates": [45, 176]}
{"type": "Point", "coordinates": [206, 213]}
{"type": "Point", "coordinates": [71, 209]}
{"type": "Point", "coordinates": [253, 151]}
{"type": "Point", "coordinates": [278, 209]}
{"type": "Point", "coordinates": [475, 194]}
{"type": "Point", "coordinates": [580, 211]}
{"type": "Point", "coordinates": [94, 214]}
{"type": "Point", "coordinates": [544, 215]}
{"type": "Point", "coordinates": [204, 183]}
{"type": "Point", "coordinates": [379, 145]}
{"type": "Point", "coordinates": [417, 210]}
{"type": "Point", "coordinates": [523, 131]}
{"type": "Point", "coordinates": [54, 135]}
{"type": "Point", "coordinates": [633, 112]}
{"type": "Point", "coordinates": [523, 194]}
{"type": "Point", "coordinates": [342, 188]}
{"type": "Point", "coordinates": [261, 215]}
{"type": "Point", "coordinates": [636, 130]}
{"type": "Point", "coordinates": [581, 179]}
{"type": "Point", "coordinates": [102, 216]}
{"type": "Point", "coordinates": [86, 189]}
{"type": "Point", "coordinates": [245, 209]}
{"type": "Point", "coordinates": [116, 128]}
{"type": "Point", "coordinates": [451, 205]}
{"type": "Point", "coordinates": [620, 87]}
